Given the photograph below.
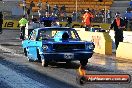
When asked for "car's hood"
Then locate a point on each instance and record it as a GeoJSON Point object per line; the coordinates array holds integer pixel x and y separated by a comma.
{"type": "Point", "coordinates": [66, 42]}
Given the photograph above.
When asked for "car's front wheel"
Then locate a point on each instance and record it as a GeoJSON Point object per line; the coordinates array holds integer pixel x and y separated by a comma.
{"type": "Point", "coordinates": [84, 62]}
{"type": "Point", "coordinates": [44, 63]}
{"type": "Point", "coordinates": [25, 51]}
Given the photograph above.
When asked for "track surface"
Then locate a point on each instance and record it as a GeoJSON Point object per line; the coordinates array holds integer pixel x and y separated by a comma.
{"type": "Point", "coordinates": [17, 72]}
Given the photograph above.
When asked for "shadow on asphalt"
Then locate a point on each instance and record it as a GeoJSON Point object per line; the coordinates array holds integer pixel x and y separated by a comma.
{"type": "Point", "coordinates": [9, 45]}
{"type": "Point", "coordinates": [74, 65]}
{"type": "Point", "coordinates": [35, 75]}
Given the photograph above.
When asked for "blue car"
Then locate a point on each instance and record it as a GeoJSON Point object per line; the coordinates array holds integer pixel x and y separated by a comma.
{"type": "Point", "coordinates": [60, 44]}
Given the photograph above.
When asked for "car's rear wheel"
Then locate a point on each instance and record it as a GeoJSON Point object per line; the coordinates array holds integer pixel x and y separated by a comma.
{"type": "Point", "coordinates": [25, 52]}
{"type": "Point", "coordinates": [30, 60]}
{"type": "Point", "coordinates": [81, 80]}
{"type": "Point", "coordinates": [68, 62]}
{"type": "Point", "coordinates": [84, 62]}
{"type": "Point", "coordinates": [45, 63]}
{"type": "Point", "coordinates": [38, 56]}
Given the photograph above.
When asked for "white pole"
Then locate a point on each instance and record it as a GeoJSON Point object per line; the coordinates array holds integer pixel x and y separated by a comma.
{"type": "Point", "coordinates": [105, 14]}
{"type": "Point", "coordinates": [76, 10]}
{"type": "Point", "coordinates": [48, 10]}
{"type": "Point", "coordinates": [24, 7]}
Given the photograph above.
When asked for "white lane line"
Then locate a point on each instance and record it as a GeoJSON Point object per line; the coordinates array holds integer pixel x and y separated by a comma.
{"type": "Point", "coordinates": [12, 51]}
{"type": "Point", "coordinates": [17, 80]}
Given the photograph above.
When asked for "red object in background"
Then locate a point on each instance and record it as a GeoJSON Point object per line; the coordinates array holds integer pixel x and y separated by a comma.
{"type": "Point", "coordinates": [87, 18]}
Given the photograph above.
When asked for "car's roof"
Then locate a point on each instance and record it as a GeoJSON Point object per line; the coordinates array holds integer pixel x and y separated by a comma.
{"type": "Point", "coordinates": [48, 28]}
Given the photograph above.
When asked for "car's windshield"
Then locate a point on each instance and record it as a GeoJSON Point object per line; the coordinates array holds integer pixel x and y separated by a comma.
{"type": "Point", "coordinates": [97, 28]}
{"type": "Point", "coordinates": [46, 34]}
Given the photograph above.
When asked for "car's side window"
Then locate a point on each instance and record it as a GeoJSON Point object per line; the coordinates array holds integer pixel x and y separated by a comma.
{"type": "Point", "coordinates": [33, 36]}
{"type": "Point", "coordinates": [73, 35]}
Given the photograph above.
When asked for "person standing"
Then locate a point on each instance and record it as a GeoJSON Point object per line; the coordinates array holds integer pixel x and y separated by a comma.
{"type": "Point", "coordinates": [69, 21]}
{"type": "Point", "coordinates": [130, 4]}
{"type": "Point", "coordinates": [32, 5]}
{"type": "Point", "coordinates": [28, 13]}
{"type": "Point", "coordinates": [108, 16]}
{"type": "Point", "coordinates": [100, 0]}
{"type": "Point", "coordinates": [1, 22]}
{"type": "Point", "coordinates": [48, 8]}
{"type": "Point", "coordinates": [63, 8]}
{"type": "Point", "coordinates": [40, 4]}
{"type": "Point", "coordinates": [87, 18]}
{"type": "Point", "coordinates": [23, 23]}
{"type": "Point", "coordinates": [119, 25]}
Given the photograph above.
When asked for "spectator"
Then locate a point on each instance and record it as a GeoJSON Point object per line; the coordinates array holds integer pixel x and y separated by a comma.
{"type": "Point", "coordinates": [128, 15]}
{"type": "Point", "coordinates": [73, 15]}
{"type": "Point", "coordinates": [62, 16]}
{"type": "Point", "coordinates": [69, 21]}
{"type": "Point", "coordinates": [93, 11]}
{"type": "Point", "coordinates": [1, 22]}
{"type": "Point", "coordinates": [54, 24]}
{"type": "Point", "coordinates": [39, 12]}
{"type": "Point", "coordinates": [32, 25]}
{"type": "Point", "coordinates": [48, 8]}
{"type": "Point", "coordinates": [39, 5]}
{"type": "Point", "coordinates": [130, 3]}
{"type": "Point", "coordinates": [100, 0]}
{"type": "Point", "coordinates": [31, 5]}
{"type": "Point", "coordinates": [118, 25]}
{"type": "Point", "coordinates": [55, 9]}
{"type": "Point", "coordinates": [28, 13]}
{"type": "Point", "coordinates": [126, 23]}
{"type": "Point", "coordinates": [108, 16]}
{"type": "Point", "coordinates": [63, 8]}
{"type": "Point", "coordinates": [23, 23]}
{"type": "Point", "coordinates": [82, 11]}
{"type": "Point", "coordinates": [87, 18]}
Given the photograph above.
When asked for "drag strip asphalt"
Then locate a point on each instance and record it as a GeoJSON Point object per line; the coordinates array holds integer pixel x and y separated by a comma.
{"type": "Point", "coordinates": [57, 75]}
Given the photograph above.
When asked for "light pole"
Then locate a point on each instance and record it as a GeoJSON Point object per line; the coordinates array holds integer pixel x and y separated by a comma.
{"type": "Point", "coordinates": [76, 10]}
{"type": "Point", "coordinates": [48, 10]}
{"type": "Point", "coordinates": [24, 7]}
{"type": "Point", "coordinates": [105, 13]}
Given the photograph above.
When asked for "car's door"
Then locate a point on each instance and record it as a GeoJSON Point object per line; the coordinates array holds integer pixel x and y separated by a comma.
{"type": "Point", "coordinates": [32, 46]}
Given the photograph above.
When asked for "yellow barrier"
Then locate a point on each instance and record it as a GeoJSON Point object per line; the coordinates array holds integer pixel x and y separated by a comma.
{"type": "Point", "coordinates": [13, 24]}
{"type": "Point", "coordinates": [102, 40]}
{"type": "Point", "coordinates": [10, 24]}
{"type": "Point", "coordinates": [124, 50]}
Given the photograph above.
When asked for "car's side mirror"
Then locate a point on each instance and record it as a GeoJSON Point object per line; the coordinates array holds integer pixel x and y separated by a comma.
{"type": "Point", "coordinates": [29, 37]}
{"type": "Point", "coordinates": [38, 38]}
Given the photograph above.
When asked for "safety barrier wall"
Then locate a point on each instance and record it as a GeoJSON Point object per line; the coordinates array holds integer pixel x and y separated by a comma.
{"type": "Point", "coordinates": [126, 34]}
{"type": "Point", "coordinates": [127, 38]}
{"type": "Point", "coordinates": [13, 24]}
{"type": "Point", "coordinates": [124, 50]}
{"type": "Point", "coordinates": [10, 24]}
{"type": "Point", "coordinates": [102, 40]}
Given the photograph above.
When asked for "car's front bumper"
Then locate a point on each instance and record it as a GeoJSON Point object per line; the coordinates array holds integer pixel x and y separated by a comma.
{"type": "Point", "coordinates": [63, 56]}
